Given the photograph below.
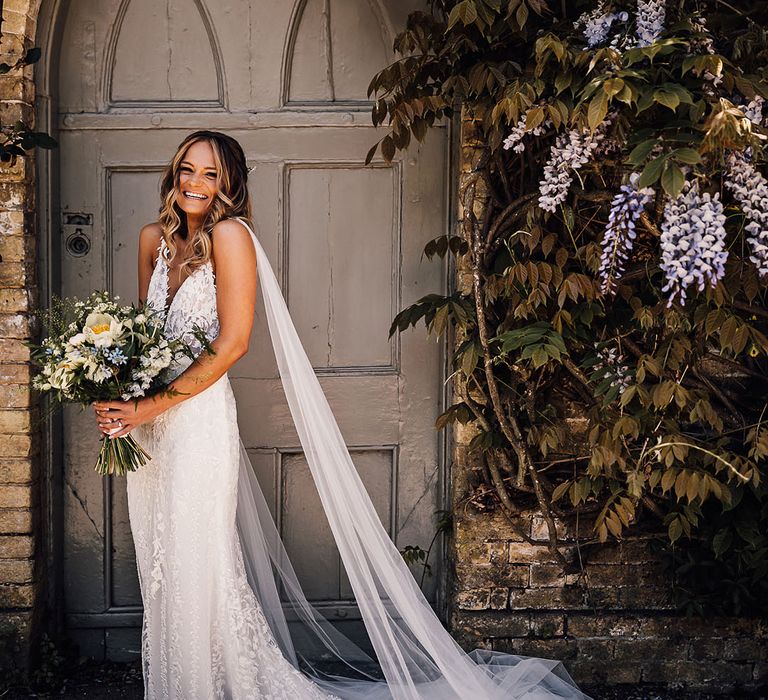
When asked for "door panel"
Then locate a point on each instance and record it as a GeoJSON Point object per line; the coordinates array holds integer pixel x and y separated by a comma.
{"type": "Point", "coordinates": [344, 240]}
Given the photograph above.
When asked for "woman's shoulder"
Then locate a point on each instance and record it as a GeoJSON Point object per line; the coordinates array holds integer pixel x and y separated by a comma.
{"type": "Point", "coordinates": [231, 227]}
{"type": "Point", "coordinates": [151, 234]}
{"type": "Point", "coordinates": [150, 237]}
{"type": "Point", "coordinates": [231, 237]}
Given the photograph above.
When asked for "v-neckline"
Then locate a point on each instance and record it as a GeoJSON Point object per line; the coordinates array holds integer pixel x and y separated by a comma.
{"type": "Point", "coordinates": [169, 305]}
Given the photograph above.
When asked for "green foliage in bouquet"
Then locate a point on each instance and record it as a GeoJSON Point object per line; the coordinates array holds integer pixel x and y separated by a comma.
{"type": "Point", "coordinates": [612, 336]}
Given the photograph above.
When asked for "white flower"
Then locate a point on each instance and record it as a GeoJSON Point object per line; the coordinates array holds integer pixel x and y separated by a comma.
{"type": "Point", "coordinates": [754, 110]}
{"type": "Point", "coordinates": [597, 24]}
{"type": "Point", "coordinates": [515, 138]}
{"type": "Point", "coordinates": [611, 366]}
{"type": "Point", "coordinates": [62, 376]}
{"type": "Point", "coordinates": [102, 329]}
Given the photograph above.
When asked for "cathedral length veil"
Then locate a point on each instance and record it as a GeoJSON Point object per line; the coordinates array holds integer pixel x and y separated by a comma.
{"type": "Point", "coordinates": [419, 660]}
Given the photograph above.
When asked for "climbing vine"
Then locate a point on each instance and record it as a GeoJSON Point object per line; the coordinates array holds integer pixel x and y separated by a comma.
{"type": "Point", "coordinates": [611, 338]}
{"type": "Point", "coordinates": [18, 138]}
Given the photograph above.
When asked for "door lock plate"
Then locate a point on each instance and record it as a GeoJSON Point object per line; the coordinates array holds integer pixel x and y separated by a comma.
{"type": "Point", "coordinates": [77, 229]}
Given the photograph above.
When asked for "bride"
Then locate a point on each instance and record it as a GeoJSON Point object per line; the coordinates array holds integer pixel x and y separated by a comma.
{"type": "Point", "coordinates": [215, 578]}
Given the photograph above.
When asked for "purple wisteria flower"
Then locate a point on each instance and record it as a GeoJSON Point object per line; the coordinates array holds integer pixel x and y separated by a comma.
{"type": "Point", "coordinates": [597, 24]}
{"type": "Point", "coordinates": [750, 189]}
{"type": "Point", "coordinates": [649, 21]}
{"type": "Point", "coordinates": [754, 110]}
{"type": "Point", "coordinates": [620, 233]}
{"type": "Point", "coordinates": [692, 242]}
{"type": "Point", "coordinates": [610, 365]}
{"type": "Point", "coordinates": [515, 138]}
{"type": "Point", "coordinates": [571, 150]}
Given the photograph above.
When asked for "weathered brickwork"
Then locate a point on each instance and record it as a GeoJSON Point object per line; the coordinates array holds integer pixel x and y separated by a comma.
{"type": "Point", "coordinates": [614, 625]}
{"type": "Point", "coordinates": [21, 570]}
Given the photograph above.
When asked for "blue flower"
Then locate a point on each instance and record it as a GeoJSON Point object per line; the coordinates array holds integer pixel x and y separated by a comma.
{"type": "Point", "coordinates": [115, 355]}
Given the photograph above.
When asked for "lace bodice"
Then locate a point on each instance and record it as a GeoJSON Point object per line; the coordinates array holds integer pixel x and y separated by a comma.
{"type": "Point", "coordinates": [193, 305]}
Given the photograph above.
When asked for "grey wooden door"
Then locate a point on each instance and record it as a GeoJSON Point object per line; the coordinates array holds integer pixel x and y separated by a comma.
{"type": "Point", "coordinates": [289, 82]}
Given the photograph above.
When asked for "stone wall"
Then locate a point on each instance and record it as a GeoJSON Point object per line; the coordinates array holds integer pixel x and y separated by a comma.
{"type": "Point", "coordinates": [21, 572]}
{"type": "Point", "coordinates": [615, 624]}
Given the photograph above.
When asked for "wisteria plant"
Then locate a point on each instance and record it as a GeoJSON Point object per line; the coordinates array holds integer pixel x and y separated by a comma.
{"type": "Point", "coordinates": [614, 225]}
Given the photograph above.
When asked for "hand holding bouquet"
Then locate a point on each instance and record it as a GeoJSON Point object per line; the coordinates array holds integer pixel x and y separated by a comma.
{"type": "Point", "coordinates": [98, 350]}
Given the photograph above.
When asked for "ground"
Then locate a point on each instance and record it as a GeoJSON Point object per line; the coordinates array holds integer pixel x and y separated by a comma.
{"type": "Point", "coordinates": [111, 680]}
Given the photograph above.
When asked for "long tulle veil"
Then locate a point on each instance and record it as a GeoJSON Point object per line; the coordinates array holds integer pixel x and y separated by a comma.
{"type": "Point", "coordinates": [416, 656]}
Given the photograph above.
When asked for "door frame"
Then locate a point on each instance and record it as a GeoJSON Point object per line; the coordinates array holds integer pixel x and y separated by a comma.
{"type": "Point", "coordinates": [49, 36]}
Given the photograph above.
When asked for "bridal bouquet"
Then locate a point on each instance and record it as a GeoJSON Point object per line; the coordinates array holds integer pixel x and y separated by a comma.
{"type": "Point", "coordinates": [98, 350]}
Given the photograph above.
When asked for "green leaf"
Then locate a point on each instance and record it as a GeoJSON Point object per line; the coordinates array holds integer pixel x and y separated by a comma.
{"type": "Point", "coordinates": [613, 86]}
{"type": "Point", "coordinates": [562, 81]}
{"type": "Point", "coordinates": [687, 155]}
{"type": "Point", "coordinates": [388, 148]}
{"type": "Point", "coordinates": [640, 152]}
{"type": "Point", "coordinates": [560, 490]}
{"type": "Point", "coordinates": [464, 11]}
{"type": "Point", "coordinates": [672, 180]}
{"type": "Point", "coordinates": [652, 172]}
{"type": "Point", "coordinates": [534, 117]}
{"type": "Point", "coordinates": [522, 15]}
{"type": "Point", "coordinates": [667, 98]}
{"type": "Point", "coordinates": [32, 55]}
{"type": "Point", "coordinates": [722, 541]}
{"type": "Point", "coordinates": [371, 153]}
{"type": "Point", "coordinates": [675, 529]}
{"type": "Point", "coordinates": [598, 108]}
{"type": "Point", "coordinates": [44, 140]}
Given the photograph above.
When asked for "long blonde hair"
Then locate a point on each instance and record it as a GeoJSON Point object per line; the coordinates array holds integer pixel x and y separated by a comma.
{"type": "Point", "coordinates": [231, 200]}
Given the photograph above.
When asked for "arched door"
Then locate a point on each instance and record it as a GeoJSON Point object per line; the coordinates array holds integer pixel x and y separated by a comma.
{"type": "Point", "coordinates": [288, 80]}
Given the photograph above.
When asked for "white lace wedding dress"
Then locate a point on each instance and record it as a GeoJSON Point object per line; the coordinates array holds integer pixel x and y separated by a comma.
{"type": "Point", "coordinates": [213, 623]}
{"type": "Point", "coordinates": [204, 634]}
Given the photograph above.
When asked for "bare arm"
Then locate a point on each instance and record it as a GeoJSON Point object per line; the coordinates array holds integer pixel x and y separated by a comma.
{"type": "Point", "coordinates": [234, 257]}
{"type": "Point", "coordinates": [149, 239]}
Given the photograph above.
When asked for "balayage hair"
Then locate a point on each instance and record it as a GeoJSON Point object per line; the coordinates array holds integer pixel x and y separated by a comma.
{"type": "Point", "coordinates": [231, 199]}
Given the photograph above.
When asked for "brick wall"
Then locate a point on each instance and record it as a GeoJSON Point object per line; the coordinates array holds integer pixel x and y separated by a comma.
{"type": "Point", "coordinates": [20, 573]}
{"type": "Point", "coordinates": [614, 625]}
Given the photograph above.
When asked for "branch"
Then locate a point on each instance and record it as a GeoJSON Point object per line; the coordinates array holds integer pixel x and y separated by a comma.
{"type": "Point", "coordinates": [508, 424]}
{"type": "Point", "coordinates": [756, 310]}
{"type": "Point", "coordinates": [499, 160]}
{"type": "Point", "coordinates": [501, 219]}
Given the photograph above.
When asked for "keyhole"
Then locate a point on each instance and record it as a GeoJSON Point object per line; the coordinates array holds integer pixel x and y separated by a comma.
{"type": "Point", "coordinates": [78, 244]}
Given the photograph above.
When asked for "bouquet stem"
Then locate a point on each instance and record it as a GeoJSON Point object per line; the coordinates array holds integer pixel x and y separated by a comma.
{"type": "Point", "coordinates": [120, 455]}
